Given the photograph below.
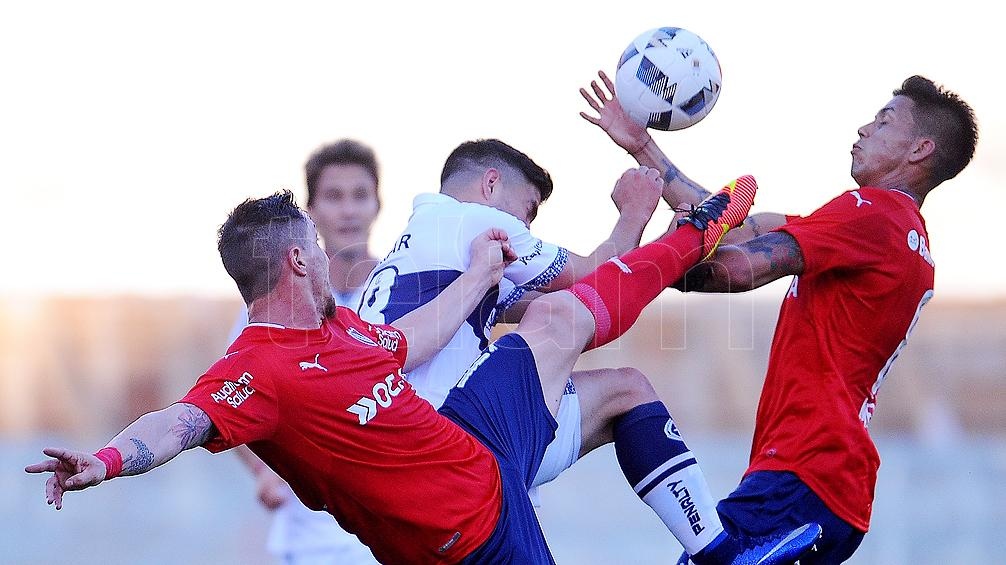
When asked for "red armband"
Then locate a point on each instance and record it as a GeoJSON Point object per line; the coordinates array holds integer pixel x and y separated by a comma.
{"type": "Point", "coordinates": [112, 459]}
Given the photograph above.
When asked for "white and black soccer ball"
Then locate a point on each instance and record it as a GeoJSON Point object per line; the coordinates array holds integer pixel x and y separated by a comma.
{"type": "Point", "coordinates": [668, 79]}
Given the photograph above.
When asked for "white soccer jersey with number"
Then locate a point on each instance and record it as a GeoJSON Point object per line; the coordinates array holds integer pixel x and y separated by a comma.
{"type": "Point", "coordinates": [432, 251]}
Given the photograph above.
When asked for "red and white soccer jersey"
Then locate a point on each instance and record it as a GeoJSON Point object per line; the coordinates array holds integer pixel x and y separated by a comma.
{"type": "Point", "coordinates": [867, 274]}
{"type": "Point", "coordinates": [330, 411]}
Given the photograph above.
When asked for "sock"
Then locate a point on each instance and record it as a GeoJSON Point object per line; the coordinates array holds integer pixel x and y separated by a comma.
{"type": "Point", "coordinates": [618, 290]}
{"type": "Point", "coordinates": [665, 475]}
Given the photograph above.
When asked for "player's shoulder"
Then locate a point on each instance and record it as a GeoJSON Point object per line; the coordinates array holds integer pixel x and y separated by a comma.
{"type": "Point", "coordinates": [242, 356]}
{"type": "Point", "coordinates": [258, 345]}
{"type": "Point", "coordinates": [345, 316]}
{"type": "Point", "coordinates": [867, 202]}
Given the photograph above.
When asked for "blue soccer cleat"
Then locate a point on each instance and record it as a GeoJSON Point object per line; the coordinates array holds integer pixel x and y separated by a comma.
{"type": "Point", "coordinates": [779, 549]}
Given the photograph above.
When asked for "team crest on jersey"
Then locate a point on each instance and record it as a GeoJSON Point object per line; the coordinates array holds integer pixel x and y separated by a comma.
{"type": "Point", "coordinates": [361, 337]}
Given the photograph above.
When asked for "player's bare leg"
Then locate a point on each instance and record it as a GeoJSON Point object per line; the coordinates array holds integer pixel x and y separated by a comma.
{"type": "Point", "coordinates": [604, 396]}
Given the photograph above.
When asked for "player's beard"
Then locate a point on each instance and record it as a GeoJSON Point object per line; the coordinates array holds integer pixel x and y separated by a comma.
{"type": "Point", "coordinates": [328, 306]}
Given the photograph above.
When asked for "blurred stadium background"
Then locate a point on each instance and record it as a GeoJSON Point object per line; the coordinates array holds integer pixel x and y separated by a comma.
{"type": "Point", "coordinates": [74, 371]}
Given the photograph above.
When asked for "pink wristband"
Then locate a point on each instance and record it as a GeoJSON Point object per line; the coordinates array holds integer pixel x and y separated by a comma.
{"type": "Point", "coordinates": [112, 459]}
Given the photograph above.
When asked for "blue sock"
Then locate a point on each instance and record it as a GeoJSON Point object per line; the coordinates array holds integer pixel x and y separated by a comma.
{"type": "Point", "coordinates": [665, 475]}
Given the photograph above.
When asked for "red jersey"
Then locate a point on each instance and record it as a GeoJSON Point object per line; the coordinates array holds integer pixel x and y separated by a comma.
{"type": "Point", "coordinates": [330, 411]}
{"type": "Point", "coordinates": [867, 274]}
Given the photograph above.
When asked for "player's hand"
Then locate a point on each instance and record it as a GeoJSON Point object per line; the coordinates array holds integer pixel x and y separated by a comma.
{"type": "Point", "coordinates": [490, 254]}
{"type": "Point", "coordinates": [71, 470]}
{"type": "Point", "coordinates": [272, 490]}
{"type": "Point", "coordinates": [611, 118]}
{"type": "Point", "coordinates": [637, 193]}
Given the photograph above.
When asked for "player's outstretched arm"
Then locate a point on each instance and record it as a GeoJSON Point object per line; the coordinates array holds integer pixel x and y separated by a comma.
{"type": "Point", "coordinates": [153, 439]}
{"type": "Point", "coordinates": [636, 195]}
{"type": "Point", "coordinates": [636, 141]}
{"type": "Point", "coordinates": [749, 265]}
{"type": "Point", "coordinates": [430, 327]}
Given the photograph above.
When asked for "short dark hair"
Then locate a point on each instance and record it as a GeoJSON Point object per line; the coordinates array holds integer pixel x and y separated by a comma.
{"type": "Point", "coordinates": [342, 152]}
{"type": "Point", "coordinates": [944, 116]}
{"type": "Point", "coordinates": [255, 239]}
{"type": "Point", "coordinates": [485, 153]}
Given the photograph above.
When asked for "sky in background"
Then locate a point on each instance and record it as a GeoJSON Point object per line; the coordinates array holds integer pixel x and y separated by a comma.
{"type": "Point", "coordinates": [128, 131]}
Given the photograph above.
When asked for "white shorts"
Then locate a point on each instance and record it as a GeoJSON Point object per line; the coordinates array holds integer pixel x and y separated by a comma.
{"type": "Point", "coordinates": [565, 448]}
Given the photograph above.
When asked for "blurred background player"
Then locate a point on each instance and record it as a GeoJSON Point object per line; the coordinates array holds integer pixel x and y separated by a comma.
{"type": "Point", "coordinates": [862, 273]}
{"type": "Point", "coordinates": [343, 199]}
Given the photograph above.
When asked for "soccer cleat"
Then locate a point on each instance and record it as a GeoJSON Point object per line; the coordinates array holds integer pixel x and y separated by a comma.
{"type": "Point", "coordinates": [783, 549]}
{"type": "Point", "coordinates": [779, 549]}
{"type": "Point", "coordinates": [726, 209]}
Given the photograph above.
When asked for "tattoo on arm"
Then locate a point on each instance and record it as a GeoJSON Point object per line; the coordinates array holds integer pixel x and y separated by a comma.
{"type": "Point", "coordinates": [671, 173]}
{"type": "Point", "coordinates": [752, 224]}
{"type": "Point", "coordinates": [136, 464]}
{"type": "Point", "coordinates": [746, 266]}
{"type": "Point", "coordinates": [194, 428]}
{"type": "Point", "coordinates": [781, 252]}
{"type": "Point", "coordinates": [696, 279]}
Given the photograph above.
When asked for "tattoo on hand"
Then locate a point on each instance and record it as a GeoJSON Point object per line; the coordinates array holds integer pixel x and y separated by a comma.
{"type": "Point", "coordinates": [193, 428]}
{"type": "Point", "coordinates": [139, 463]}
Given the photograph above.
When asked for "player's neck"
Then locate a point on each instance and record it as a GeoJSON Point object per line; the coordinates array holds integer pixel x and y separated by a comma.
{"type": "Point", "coordinates": [907, 182]}
{"type": "Point", "coordinates": [286, 306]}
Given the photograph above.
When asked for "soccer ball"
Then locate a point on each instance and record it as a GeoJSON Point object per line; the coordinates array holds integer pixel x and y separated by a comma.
{"type": "Point", "coordinates": [668, 79]}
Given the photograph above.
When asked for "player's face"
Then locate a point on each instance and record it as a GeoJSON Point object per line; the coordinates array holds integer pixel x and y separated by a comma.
{"type": "Point", "coordinates": [884, 144]}
{"type": "Point", "coordinates": [520, 200]}
{"type": "Point", "coordinates": [321, 286]}
{"type": "Point", "coordinates": [344, 208]}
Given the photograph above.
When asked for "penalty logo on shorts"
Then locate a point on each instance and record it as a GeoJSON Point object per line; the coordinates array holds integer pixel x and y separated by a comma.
{"type": "Point", "coordinates": [671, 430]}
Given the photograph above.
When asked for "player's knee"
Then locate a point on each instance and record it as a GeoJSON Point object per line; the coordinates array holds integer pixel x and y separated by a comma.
{"type": "Point", "coordinates": [630, 388]}
{"type": "Point", "coordinates": [560, 314]}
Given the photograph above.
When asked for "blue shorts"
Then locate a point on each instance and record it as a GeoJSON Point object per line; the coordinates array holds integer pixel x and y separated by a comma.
{"type": "Point", "coordinates": [767, 502]}
{"type": "Point", "coordinates": [500, 402]}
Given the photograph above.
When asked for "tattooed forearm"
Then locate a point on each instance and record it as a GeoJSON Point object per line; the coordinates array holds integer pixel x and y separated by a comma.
{"type": "Point", "coordinates": [140, 462]}
{"type": "Point", "coordinates": [672, 173]}
{"type": "Point", "coordinates": [193, 428]}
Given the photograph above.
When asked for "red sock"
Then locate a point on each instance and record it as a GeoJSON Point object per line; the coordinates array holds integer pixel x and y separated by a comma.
{"type": "Point", "coordinates": [619, 289]}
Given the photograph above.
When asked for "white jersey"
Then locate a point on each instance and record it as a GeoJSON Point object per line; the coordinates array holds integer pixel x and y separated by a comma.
{"type": "Point", "coordinates": [432, 251]}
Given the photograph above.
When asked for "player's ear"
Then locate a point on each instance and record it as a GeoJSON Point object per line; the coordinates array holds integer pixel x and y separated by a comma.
{"type": "Point", "coordinates": [924, 147]}
{"type": "Point", "coordinates": [490, 182]}
{"type": "Point", "coordinates": [297, 260]}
